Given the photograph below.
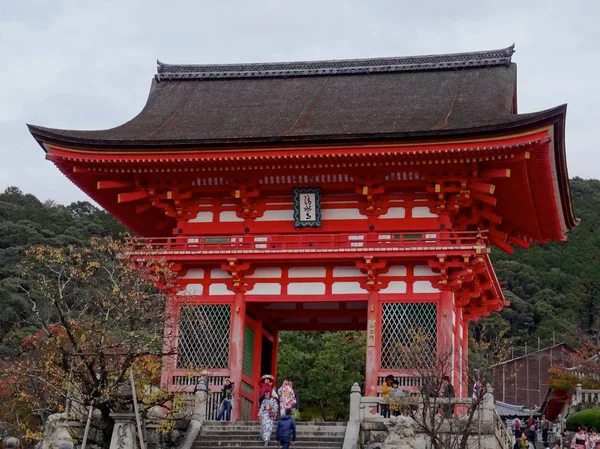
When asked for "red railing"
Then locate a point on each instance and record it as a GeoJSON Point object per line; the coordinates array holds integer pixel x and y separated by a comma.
{"type": "Point", "coordinates": [310, 243]}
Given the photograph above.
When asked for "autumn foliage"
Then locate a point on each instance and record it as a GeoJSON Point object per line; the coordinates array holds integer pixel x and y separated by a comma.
{"type": "Point", "coordinates": [98, 313]}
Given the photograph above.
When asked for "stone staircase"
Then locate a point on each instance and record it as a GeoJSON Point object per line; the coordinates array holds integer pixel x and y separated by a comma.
{"type": "Point", "coordinates": [314, 435]}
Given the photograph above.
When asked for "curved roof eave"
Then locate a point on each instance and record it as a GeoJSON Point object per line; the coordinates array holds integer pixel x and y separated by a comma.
{"type": "Point", "coordinates": [82, 139]}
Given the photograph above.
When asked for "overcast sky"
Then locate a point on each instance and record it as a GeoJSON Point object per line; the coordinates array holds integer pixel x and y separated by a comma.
{"type": "Point", "coordinates": [88, 65]}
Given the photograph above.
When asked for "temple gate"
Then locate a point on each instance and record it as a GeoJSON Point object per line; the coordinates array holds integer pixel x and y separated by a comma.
{"type": "Point", "coordinates": [324, 196]}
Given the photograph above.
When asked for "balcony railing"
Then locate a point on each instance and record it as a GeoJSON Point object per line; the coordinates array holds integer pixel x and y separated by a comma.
{"type": "Point", "coordinates": [311, 243]}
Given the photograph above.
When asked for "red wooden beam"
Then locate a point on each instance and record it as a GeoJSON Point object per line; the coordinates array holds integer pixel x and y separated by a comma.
{"type": "Point", "coordinates": [112, 184]}
{"type": "Point", "coordinates": [483, 187]}
{"type": "Point", "coordinates": [132, 196]}
{"type": "Point", "coordinates": [495, 173]}
{"type": "Point", "coordinates": [140, 208]}
{"type": "Point", "coordinates": [485, 198]}
{"type": "Point", "coordinates": [518, 241]}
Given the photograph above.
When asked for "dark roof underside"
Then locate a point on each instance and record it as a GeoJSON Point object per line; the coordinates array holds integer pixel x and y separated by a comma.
{"type": "Point", "coordinates": [315, 101]}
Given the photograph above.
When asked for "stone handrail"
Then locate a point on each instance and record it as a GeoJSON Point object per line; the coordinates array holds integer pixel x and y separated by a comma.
{"type": "Point", "coordinates": [585, 396]}
{"type": "Point", "coordinates": [366, 410]}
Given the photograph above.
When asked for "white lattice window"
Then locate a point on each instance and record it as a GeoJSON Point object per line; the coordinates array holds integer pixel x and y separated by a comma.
{"type": "Point", "coordinates": [408, 335]}
{"type": "Point", "coordinates": [204, 336]}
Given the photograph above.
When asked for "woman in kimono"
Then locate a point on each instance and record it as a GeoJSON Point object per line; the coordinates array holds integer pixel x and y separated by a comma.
{"type": "Point", "coordinates": [287, 397]}
{"type": "Point", "coordinates": [268, 415]}
{"type": "Point", "coordinates": [580, 440]}
{"type": "Point", "coordinates": [594, 438]}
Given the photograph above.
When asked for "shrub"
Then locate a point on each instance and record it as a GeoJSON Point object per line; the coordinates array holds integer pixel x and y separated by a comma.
{"type": "Point", "coordinates": [589, 417]}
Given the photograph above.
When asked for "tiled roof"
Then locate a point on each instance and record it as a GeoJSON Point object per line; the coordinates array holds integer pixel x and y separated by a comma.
{"type": "Point", "coordinates": [490, 58]}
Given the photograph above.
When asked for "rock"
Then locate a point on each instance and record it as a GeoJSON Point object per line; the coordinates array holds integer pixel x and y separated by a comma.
{"type": "Point", "coordinates": [56, 432]}
{"type": "Point", "coordinates": [401, 433]}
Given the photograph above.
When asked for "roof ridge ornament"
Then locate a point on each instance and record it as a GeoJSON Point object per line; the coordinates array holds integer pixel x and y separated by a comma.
{"type": "Point", "coordinates": [452, 61]}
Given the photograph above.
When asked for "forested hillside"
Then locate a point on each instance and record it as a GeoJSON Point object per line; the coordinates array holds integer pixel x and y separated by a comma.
{"type": "Point", "coordinates": [26, 221]}
{"type": "Point", "coordinates": [553, 289]}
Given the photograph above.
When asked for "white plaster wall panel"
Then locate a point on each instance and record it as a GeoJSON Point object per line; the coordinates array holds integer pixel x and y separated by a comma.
{"type": "Point", "coordinates": [341, 288]}
{"type": "Point", "coordinates": [265, 289]}
{"type": "Point", "coordinates": [217, 273]}
{"type": "Point", "coordinates": [194, 273]}
{"type": "Point", "coordinates": [192, 290]}
{"type": "Point", "coordinates": [277, 215]}
{"type": "Point", "coordinates": [340, 320]}
{"type": "Point", "coordinates": [229, 216]}
{"type": "Point", "coordinates": [281, 306]}
{"type": "Point", "coordinates": [346, 272]}
{"type": "Point", "coordinates": [394, 212]}
{"type": "Point", "coordinates": [342, 214]}
{"type": "Point", "coordinates": [219, 289]}
{"type": "Point", "coordinates": [396, 270]}
{"type": "Point", "coordinates": [296, 321]}
{"type": "Point", "coordinates": [202, 217]}
{"type": "Point", "coordinates": [327, 305]}
{"type": "Point", "coordinates": [307, 272]}
{"type": "Point", "coordinates": [422, 212]}
{"type": "Point", "coordinates": [306, 288]}
{"type": "Point", "coordinates": [266, 272]}
{"type": "Point", "coordinates": [395, 287]}
{"type": "Point", "coordinates": [424, 270]}
{"type": "Point", "coordinates": [356, 305]}
{"type": "Point", "coordinates": [424, 287]}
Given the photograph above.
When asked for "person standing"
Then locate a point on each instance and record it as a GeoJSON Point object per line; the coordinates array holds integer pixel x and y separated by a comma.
{"type": "Point", "coordinates": [287, 397]}
{"type": "Point", "coordinates": [267, 416]}
{"type": "Point", "coordinates": [447, 391]}
{"type": "Point", "coordinates": [286, 429]}
{"type": "Point", "coordinates": [226, 401]}
{"type": "Point", "coordinates": [518, 430]}
{"type": "Point", "coordinates": [580, 440]}
{"type": "Point", "coordinates": [386, 387]}
{"type": "Point", "coordinates": [266, 384]}
{"type": "Point", "coordinates": [594, 438]}
{"type": "Point", "coordinates": [545, 426]}
{"type": "Point", "coordinates": [522, 442]}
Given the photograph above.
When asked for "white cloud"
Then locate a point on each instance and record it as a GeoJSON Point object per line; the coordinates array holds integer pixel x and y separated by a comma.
{"type": "Point", "coordinates": [73, 64]}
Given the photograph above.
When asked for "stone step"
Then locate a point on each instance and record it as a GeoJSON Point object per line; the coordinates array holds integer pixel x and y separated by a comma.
{"type": "Point", "coordinates": [298, 423]}
{"type": "Point", "coordinates": [237, 430]}
{"type": "Point", "coordinates": [310, 435]}
{"type": "Point", "coordinates": [240, 434]}
{"type": "Point", "coordinates": [299, 444]}
{"type": "Point", "coordinates": [252, 435]}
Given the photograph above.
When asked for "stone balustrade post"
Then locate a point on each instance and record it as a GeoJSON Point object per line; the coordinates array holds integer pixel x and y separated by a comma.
{"type": "Point", "coordinates": [351, 439]}
{"type": "Point", "coordinates": [578, 395]}
{"type": "Point", "coordinates": [487, 404]}
{"type": "Point", "coordinates": [198, 415]}
{"type": "Point", "coordinates": [123, 436]}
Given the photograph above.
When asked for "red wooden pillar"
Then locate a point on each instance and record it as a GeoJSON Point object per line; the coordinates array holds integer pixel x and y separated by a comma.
{"type": "Point", "coordinates": [457, 379]}
{"type": "Point", "coordinates": [256, 362]}
{"type": "Point", "coordinates": [373, 343]}
{"type": "Point", "coordinates": [465, 355]}
{"type": "Point", "coordinates": [445, 335]}
{"type": "Point", "coordinates": [274, 353]}
{"type": "Point", "coordinates": [236, 350]}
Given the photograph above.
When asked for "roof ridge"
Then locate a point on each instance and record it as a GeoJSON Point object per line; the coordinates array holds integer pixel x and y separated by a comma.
{"type": "Point", "coordinates": [335, 67]}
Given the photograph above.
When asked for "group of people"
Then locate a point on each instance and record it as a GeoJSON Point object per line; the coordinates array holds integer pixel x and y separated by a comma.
{"type": "Point", "coordinates": [526, 435]}
{"type": "Point", "coordinates": [271, 402]}
{"type": "Point", "coordinates": [586, 440]}
{"type": "Point", "coordinates": [390, 388]}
